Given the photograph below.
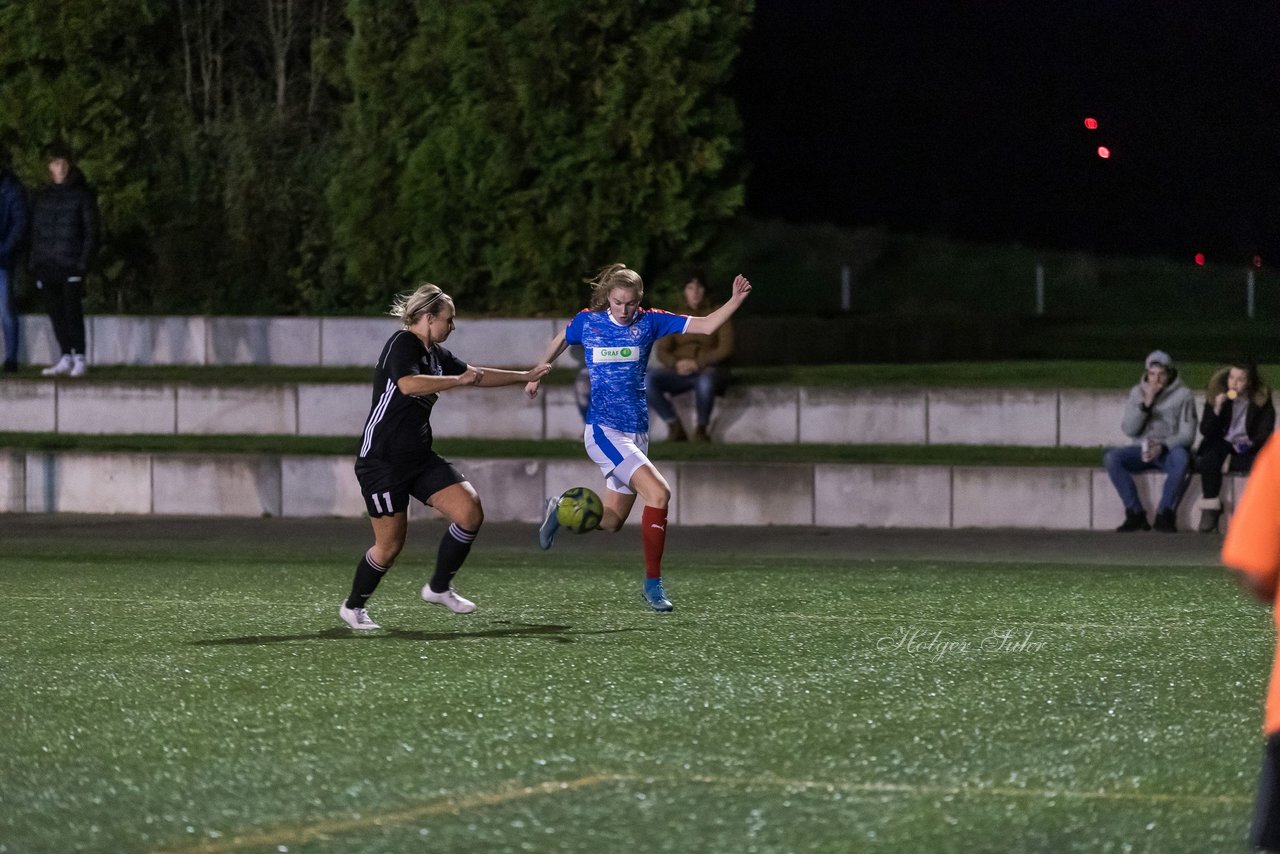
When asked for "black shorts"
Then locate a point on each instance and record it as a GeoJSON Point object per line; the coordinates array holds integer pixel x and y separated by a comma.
{"type": "Point", "coordinates": [387, 487]}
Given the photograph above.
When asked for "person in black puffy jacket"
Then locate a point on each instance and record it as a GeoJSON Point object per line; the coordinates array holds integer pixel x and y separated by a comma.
{"type": "Point", "coordinates": [64, 235]}
{"type": "Point", "coordinates": [1238, 419]}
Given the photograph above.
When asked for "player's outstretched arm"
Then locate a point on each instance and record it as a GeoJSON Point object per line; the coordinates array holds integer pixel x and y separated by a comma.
{"type": "Point", "coordinates": [493, 377]}
{"type": "Point", "coordinates": [557, 346]}
{"type": "Point", "coordinates": [420, 384]}
{"type": "Point", "coordinates": [713, 321]}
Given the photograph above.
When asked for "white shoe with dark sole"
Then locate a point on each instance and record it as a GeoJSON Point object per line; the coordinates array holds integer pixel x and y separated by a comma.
{"type": "Point", "coordinates": [450, 599]}
{"type": "Point", "coordinates": [357, 618]}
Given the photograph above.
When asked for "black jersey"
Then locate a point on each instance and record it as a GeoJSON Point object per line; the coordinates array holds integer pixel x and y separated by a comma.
{"type": "Point", "coordinates": [398, 428]}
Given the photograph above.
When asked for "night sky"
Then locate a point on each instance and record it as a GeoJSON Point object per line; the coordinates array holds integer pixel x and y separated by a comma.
{"type": "Point", "coordinates": [966, 119]}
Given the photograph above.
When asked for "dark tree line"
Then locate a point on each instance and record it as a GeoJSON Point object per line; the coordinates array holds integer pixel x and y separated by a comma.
{"type": "Point", "coordinates": [311, 156]}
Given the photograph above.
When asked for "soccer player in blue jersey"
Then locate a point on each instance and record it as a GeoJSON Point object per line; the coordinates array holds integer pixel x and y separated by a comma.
{"type": "Point", "coordinates": [616, 335]}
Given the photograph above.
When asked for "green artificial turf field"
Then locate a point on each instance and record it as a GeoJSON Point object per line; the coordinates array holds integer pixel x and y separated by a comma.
{"type": "Point", "coordinates": [193, 691]}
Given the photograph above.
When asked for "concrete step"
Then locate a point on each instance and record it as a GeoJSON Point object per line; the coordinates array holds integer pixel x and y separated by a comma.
{"type": "Point", "coordinates": [293, 341]}
{"type": "Point", "coordinates": [751, 414]}
{"type": "Point", "coordinates": [754, 494]}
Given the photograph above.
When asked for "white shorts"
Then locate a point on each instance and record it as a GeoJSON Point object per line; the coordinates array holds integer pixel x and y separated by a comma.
{"type": "Point", "coordinates": [617, 453]}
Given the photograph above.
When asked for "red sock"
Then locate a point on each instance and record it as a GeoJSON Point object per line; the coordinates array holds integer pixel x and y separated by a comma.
{"type": "Point", "coordinates": [654, 524]}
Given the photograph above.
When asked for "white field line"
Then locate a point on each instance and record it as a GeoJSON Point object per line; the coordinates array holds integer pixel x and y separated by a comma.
{"type": "Point", "coordinates": [302, 833]}
{"type": "Point", "coordinates": [286, 835]}
{"type": "Point", "coordinates": [962, 791]}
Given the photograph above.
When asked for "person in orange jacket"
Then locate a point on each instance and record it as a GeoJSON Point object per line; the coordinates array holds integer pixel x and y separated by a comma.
{"type": "Point", "coordinates": [1252, 548]}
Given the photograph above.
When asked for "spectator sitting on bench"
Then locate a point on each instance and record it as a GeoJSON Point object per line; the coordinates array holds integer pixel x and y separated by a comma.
{"type": "Point", "coordinates": [1161, 415]}
{"type": "Point", "coordinates": [691, 362]}
{"type": "Point", "coordinates": [1238, 418]}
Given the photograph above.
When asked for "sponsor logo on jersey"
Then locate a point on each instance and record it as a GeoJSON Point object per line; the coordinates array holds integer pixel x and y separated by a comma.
{"type": "Point", "coordinates": [615, 354]}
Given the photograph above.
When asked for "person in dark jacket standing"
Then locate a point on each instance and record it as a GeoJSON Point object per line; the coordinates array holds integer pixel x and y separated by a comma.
{"type": "Point", "coordinates": [1238, 419]}
{"type": "Point", "coordinates": [13, 228]}
{"type": "Point", "coordinates": [64, 235]}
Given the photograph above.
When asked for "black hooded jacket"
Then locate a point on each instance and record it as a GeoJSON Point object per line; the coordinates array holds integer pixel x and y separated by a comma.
{"type": "Point", "coordinates": [64, 228]}
{"type": "Point", "coordinates": [1259, 420]}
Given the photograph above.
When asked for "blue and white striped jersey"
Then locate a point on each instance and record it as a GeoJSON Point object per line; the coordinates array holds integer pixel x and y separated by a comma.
{"type": "Point", "coordinates": [617, 357]}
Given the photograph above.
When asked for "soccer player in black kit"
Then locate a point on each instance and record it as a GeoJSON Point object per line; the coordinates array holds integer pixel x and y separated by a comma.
{"type": "Point", "coordinates": [396, 460]}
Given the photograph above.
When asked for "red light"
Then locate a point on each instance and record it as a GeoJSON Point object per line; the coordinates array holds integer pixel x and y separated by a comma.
{"type": "Point", "coordinates": [1199, 259]}
{"type": "Point", "coordinates": [1257, 262]}
{"type": "Point", "coordinates": [1104, 152]}
{"type": "Point", "coordinates": [1091, 123]}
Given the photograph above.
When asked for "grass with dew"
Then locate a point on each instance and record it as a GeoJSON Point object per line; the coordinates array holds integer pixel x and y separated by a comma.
{"type": "Point", "coordinates": [200, 695]}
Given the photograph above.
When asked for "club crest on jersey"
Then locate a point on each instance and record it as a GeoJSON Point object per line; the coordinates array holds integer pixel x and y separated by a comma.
{"type": "Point", "coordinates": [615, 354]}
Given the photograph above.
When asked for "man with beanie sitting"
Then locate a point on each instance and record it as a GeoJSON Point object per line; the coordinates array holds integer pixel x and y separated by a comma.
{"type": "Point", "coordinates": [1160, 416]}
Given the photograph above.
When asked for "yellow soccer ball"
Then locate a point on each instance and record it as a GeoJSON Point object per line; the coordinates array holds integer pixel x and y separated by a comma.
{"type": "Point", "coordinates": [579, 510]}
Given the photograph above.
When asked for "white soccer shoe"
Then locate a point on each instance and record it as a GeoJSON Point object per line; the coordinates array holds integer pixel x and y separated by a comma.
{"type": "Point", "coordinates": [79, 367]}
{"type": "Point", "coordinates": [357, 618]}
{"type": "Point", "coordinates": [58, 368]}
{"type": "Point", "coordinates": [550, 524]}
{"type": "Point", "coordinates": [450, 599]}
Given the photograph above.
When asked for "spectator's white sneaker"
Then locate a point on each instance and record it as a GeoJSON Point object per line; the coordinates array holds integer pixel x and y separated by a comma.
{"type": "Point", "coordinates": [357, 618]}
{"type": "Point", "coordinates": [79, 367]}
{"type": "Point", "coordinates": [450, 599]}
{"type": "Point", "coordinates": [58, 368]}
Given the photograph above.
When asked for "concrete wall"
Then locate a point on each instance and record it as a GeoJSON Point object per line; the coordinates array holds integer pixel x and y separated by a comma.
{"type": "Point", "coordinates": [296, 341]}
{"type": "Point", "coordinates": [13, 482]}
{"type": "Point", "coordinates": [827, 495]}
{"type": "Point", "coordinates": [514, 490]}
{"type": "Point", "coordinates": [757, 414]}
{"type": "Point", "coordinates": [1077, 418]}
{"type": "Point", "coordinates": [1074, 418]}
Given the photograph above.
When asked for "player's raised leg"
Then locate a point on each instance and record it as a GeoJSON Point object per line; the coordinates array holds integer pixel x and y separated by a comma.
{"type": "Point", "coordinates": [388, 539]}
{"type": "Point", "coordinates": [654, 490]}
{"type": "Point", "coordinates": [460, 503]}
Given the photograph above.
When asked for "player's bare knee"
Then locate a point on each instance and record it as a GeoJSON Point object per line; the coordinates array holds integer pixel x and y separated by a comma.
{"type": "Point", "coordinates": [385, 554]}
{"type": "Point", "coordinates": [612, 522]}
{"type": "Point", "coordinates": [472, 518]}
{"type": "Point", "coordinates": [658, 497]}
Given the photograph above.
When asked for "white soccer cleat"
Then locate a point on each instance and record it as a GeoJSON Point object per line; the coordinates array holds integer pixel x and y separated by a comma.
{"type": "Point", "coordinates": [357, 618]}
{"type": "Point", "coordinates": [450, 599]}
{"type": "Point", "coordinates": [58, 368]}
{"type": "Point", "coordinates": [79, 367]}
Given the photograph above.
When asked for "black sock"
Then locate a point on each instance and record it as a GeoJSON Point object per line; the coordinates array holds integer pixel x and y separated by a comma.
{"type": "Point", "coordinates": [368, 574]}
{"type": "Point", "coordinates": [455, 545]}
